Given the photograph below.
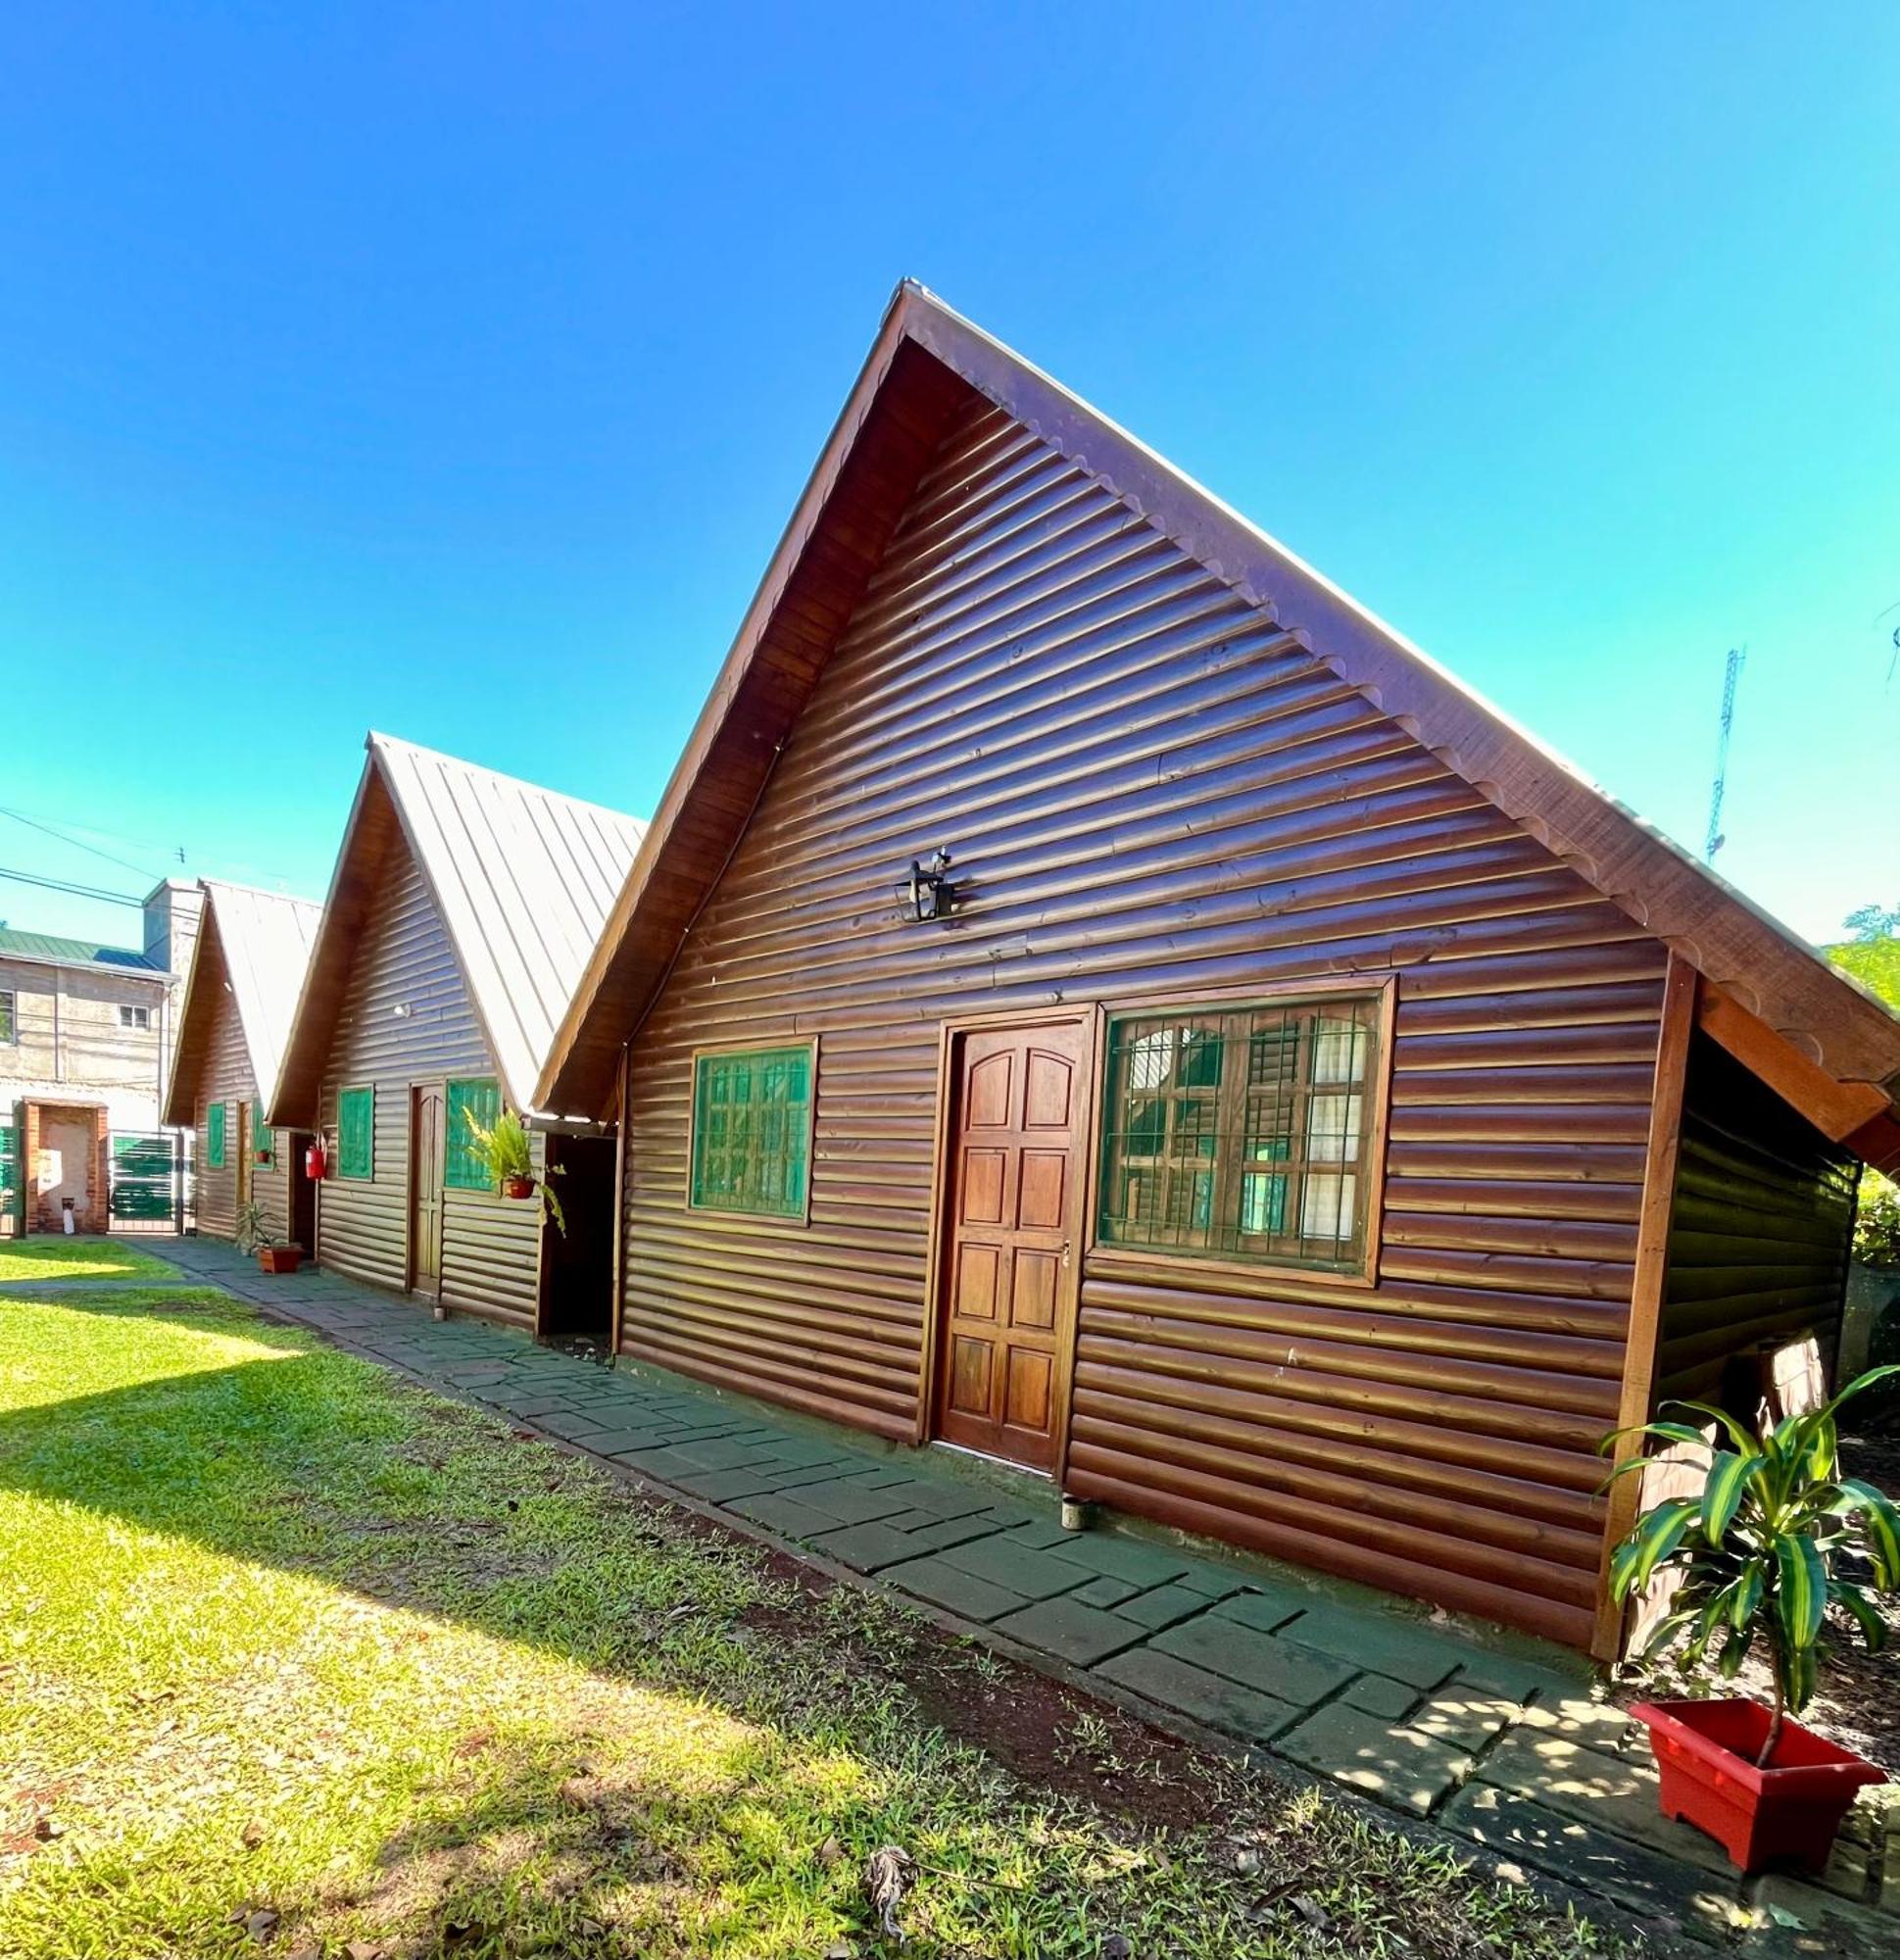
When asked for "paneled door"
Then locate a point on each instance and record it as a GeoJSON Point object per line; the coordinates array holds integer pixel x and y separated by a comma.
{"type": "Point", "coordinates": [246, 1171]}
{"type": "Point", "coordinates": [1012, 1224]}
{"type": "Point", "coordinates": [425, 1134]}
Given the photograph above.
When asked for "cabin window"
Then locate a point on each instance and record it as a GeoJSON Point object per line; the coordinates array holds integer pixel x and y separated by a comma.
{"type": "Point", "coordinates": [214, 1137]}
{"type": "Point", "coordinates": [463, 1165]}
{"type": "Point", "coordinates": [356, 1133]}
{"type": "Point", "coordinates": [8, 1024]}
{"type": "Point", "coordinates": [751, 1131]}
{"type": "Point", "coordinates": [264, 1141]}
{"type": "Point", "coordinates": [1243, 1133]}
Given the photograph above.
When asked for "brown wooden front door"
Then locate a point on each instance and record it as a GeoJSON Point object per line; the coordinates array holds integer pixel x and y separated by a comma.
{"type": "Point", "coordinates": [1012, 1222]}
{"type": "Point", "coordinates": [244, 1154]}
{"type": "Point", "coordinates": [425, 1132]}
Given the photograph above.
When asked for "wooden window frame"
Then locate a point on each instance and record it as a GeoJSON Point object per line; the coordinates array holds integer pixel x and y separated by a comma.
{"type": "Point", "coordinates": [368, 1089]}
{"type": "Point", "coordinates": [218, 1130]}
{"type": "Point", "coordinates": [1109, 1256]}
{"type": "Point", "coordinates": [8, 1017]}
{"type": "Point", "coordinates": [725, 1050]}
{"type": "Point", "coordinates": [451, 1149]}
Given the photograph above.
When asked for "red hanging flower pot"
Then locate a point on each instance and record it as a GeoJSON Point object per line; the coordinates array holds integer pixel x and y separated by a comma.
{"type": "Point", "coordinates": [517, 1187]}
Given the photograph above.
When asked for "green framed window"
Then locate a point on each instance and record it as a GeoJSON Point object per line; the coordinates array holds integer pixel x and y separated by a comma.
{"type": "Point", "coordinates": [751, 1131]}
{"type": "Point", "coordinates": [1243, 1133]}
{"type": "Point", "coordinates": [462, 1164]}
{"type": "Point", "coordinates": [215, 1121]}
{"type": "Point", "coordinates": [264, 1139]}
{"type": "Point", "coordinates": [356, 1133]}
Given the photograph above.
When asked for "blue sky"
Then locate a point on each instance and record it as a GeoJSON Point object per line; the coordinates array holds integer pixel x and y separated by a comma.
{"type": "Point", "coordinates": [452, 370]}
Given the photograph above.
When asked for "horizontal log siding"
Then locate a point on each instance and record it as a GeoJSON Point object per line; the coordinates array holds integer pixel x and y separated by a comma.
{"type": "Point", "coordinates": [1145, 786]}
{"type": "Point", "coordinates": [490, 1246]}
{"type": "Point", "coordinates": [1759, 1233]}
{"type": "Point", "coordinates": [225, 1077]}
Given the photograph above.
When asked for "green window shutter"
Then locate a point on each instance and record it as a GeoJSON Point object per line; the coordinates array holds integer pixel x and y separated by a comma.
{"type": "Point", "coordinates": [356, 1133]}
{"type": "Point", "coordinates": [751, 1131]}
{"type": "Point", "coordinates": [264, 1141]}
{"type": "Point", "coordinates": [462, 1164]}
{"type": "Point", "coordinates": [214, 1137]}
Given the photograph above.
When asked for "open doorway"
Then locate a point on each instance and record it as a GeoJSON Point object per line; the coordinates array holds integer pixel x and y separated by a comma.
{"type": "Point", "coordinates": [577, 1267]}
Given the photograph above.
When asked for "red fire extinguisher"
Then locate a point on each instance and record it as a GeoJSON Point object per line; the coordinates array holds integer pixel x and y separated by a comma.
{"type": "Point", "coordinates": [315, 1163]}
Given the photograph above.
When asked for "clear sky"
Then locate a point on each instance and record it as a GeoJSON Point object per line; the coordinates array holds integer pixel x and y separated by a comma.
{"type": "Point", "coordinates": [452, 370]}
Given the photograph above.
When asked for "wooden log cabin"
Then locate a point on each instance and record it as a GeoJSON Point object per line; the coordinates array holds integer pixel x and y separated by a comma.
{"type": "Point", "coordinates": [1294, 1107]}
{"type": "Point", "coordinates": [246, 969]}
{"type": "Point", "coordinates": [460, 914]}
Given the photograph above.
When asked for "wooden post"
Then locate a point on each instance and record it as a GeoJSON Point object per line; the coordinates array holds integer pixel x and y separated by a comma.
{"type": "Point", "coordinates": [1646, 1288]}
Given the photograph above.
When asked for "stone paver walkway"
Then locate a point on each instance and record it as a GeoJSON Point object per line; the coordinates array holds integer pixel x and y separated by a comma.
{"type": "Point", "coordinates": [1506, 1748]}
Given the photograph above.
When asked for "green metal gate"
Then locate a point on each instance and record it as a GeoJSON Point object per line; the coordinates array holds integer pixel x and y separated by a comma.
{"type": "Point", "coordinates": [147, 1179]}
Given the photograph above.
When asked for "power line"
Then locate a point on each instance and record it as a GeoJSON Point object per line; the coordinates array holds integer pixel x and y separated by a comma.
{"type": "Point", "coordinates": [73, 890]}
{"type": "Point", "coordinates": [34, 823]}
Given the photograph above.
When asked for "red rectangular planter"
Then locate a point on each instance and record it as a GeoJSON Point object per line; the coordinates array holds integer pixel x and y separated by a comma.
{"type": "Point", "coordinates": [280, 1258]}
{"type": "Point", "coordinates": [1706, 1750]}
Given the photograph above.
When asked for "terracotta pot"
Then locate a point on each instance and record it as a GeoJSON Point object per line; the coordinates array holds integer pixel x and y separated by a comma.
{"type": "Point", "coordinates": [1790, 1810]}
{"type": "Point", "coordinates": [517, 1187]}
{"type": "Point", "coordinates": [280, 1258]}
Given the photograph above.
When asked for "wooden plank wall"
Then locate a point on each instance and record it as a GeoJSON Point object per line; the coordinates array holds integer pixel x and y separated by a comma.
{"type": "Point", "coordinates": [403, 957]}
{"type": "Point", "coordinates": [225, 1077]}
{"type": "Point", "coordinates": [1146, 786]}
{"type": "Point", "coordinates": [1760, 1232]}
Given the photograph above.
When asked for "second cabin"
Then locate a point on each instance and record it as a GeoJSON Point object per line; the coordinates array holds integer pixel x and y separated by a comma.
{"type": "Point", "coordinates": [460, 914]}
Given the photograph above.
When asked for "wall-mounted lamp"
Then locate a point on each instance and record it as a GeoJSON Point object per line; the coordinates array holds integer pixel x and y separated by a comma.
{"type": "Point", "coordinates": [928, 894]}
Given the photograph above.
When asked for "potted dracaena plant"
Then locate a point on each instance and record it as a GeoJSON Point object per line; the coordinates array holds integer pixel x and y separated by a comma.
{"type": "Point", "coordinates": [508, 1153]}
{"type": "Point", "coordinates": [1774, 1539]}
{"type": "Point", "coordinates": [252, 1232]}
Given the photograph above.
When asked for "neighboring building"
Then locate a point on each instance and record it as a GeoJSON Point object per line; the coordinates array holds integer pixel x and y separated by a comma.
{"type": "Point", "coordinates": [461, 912]}
{"type": "Point", "coordinates": [251, 951]}
{"type": "Point", "coordinates": [1313, 1117]}
{"type": "Point", "coordinates": [85, 1038]}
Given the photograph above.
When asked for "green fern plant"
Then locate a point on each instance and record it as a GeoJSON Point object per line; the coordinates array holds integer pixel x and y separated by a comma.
{"type": "Point", "coordinates": [507, 1153]}
{"type": "Point", "coordinates": [1765, 1549]}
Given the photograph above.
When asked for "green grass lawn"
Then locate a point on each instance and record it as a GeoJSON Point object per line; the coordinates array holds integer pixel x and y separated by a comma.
{"type": "Point", "coordinates": [280, 1634]}
{"type": "Point", "coordinates": [54, 1257]}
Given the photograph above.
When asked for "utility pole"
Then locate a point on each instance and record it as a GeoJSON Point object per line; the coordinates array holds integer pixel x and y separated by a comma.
{"type": "Point", "coordinates": [1737, 658]}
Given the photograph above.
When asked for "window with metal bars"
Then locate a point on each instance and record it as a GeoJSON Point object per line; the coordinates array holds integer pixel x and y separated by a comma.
{"type": "Point", "coordinates": [1242, 1132]}
{"type": "Point", "coordinates": [751, 1131]}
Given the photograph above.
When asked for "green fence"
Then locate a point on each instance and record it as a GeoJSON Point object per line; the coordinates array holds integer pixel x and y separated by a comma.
{"type": "Point", "coordinates": [11, 1194]}
{"type": "Point", "coordinates": [144, 1186]}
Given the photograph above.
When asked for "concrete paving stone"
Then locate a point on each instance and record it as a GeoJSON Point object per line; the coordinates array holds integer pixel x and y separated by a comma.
{"type": "Point", "coordinates": [727, 1453]}
{"type": "Point", "coordinates": [1614, 1794]}
{"type": "Point", "coordinates": [1379, 1645]}
{"type": "Point", "coordinates": [1008, 1517]}
{"type": "Point", "coordinates": [784, 1515]}
{"type": "Point", "coordinates": [1118, 1557]}
{"type": "Point", "coordinates": [1395, 1764]}
{"type": "Point", "coordinates": [721, 1487]}
{"type": "Point", "coordinates": [1213, 1582]}
{"type": "Point", "coordinates": [1633, 1875]}
{"type": "Point", "coordinates": [1850, 1867]}
{"type": "Point", "coordinates": [944, 1533]}
{"type": "Point", "coordinates": [1207, 1698]}
{"type": "Point", "coordinates": [1162, 1607]}
{"type": "Point", "coordinates": [851, 1502]}
{"type": "Point", "coordinates": [1266, 1609]}
{"type": "Point", "coordinates": [660, 1463]}
{"type": "Point", "coordinates": [866, 1548]}
{"type": "Point", "coordinates": [1256, 1660]}
{"type": "Point", "coordinates": [946, 1501]}
{"type": "Point", "coordinates": [1797, 1918]}
{"type": "Point", "coordinates": [1036, 1575]}
{"type": "Point", "coordinates": [1039, 1536]}
{"type": "Point", "coordinates": [1465, 1717]}
{"type": "Point", "coordinates": [620, 1442]}
{"type": "Point", "coordinates": [1378, 1694]}
{"type": "Point", "coordinates": [1106, 1593]}
{"type": "Point", "coordinates": [953, 1588]}
{"type": "Point", "coordinates": [1072, 1631]}
{"type": "Point", "coordinates": [1520, 1680]}
{"type": "Point", "coordinates": [573, 1428]}
{"type": "Point", "coordinates": [1579, 1717]}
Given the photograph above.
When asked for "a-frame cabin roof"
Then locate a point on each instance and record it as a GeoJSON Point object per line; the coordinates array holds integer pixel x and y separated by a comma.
{"type": "Point", "coordinates": [1825, 1044]}
{"type": "Point", "coordinates": [262, 940]}
{"type": "Point", "coordinates": [523, 878]}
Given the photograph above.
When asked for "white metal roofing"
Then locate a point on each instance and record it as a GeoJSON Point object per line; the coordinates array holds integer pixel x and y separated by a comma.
{"type": "Point", "coordinates": [267, 938]}
{"type": "Point", "coordinates": [524, 879]}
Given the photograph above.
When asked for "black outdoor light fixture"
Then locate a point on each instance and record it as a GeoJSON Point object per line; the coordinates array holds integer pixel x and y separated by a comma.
{"type": "Point", "coordinates": [928, 894]}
